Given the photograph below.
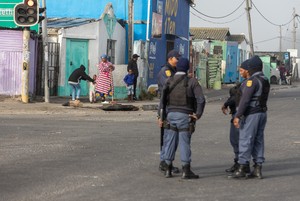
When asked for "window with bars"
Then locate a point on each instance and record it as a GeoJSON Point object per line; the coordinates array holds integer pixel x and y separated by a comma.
{"type": "Point", "coordinates": [218, 50]}
{"type": "Point", "coordinates": [111, 44]}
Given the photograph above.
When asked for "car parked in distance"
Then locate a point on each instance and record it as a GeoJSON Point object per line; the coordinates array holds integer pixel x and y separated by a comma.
{"type": "Point", "coordinates": [275, 76]}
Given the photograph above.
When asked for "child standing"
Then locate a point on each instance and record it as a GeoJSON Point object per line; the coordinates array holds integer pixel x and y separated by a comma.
{"type": "Point", "coordinates": [129, 80]}
{"type": "Point", "coordinates": [92, 91]}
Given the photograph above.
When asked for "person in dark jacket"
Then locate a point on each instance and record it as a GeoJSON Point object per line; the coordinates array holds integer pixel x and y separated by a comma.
{"type": "Point", "coordinates": [74, 81]}
{"type": "Point", "coordinates": [251, 118]}
{"type": "Point", "coordinates": [232, 103]}
{"type": "Point", "coordinates": [168, 70]}
{"type": "Point", "coordinates": [132, 65]}
{"type": "Point", "coordinates": [183, 102]}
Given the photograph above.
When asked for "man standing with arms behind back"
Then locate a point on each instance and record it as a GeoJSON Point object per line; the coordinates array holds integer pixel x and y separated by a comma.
{"type": "Point", "coordinates": [182, 102]}
{"type": "Point", "coordinates": [168, 70]}
{"type": "Point", "coordinates": [132, 65]}
{"type": "Point", "coordinates": [251, 118]}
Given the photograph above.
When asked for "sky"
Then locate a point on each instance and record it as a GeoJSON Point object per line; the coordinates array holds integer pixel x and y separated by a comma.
{"type": "Point", "coordinates": [266, 36]}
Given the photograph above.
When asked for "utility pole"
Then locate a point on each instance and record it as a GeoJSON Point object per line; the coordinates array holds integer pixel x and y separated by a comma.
{"type": "Point", "coordinates": [46, 59]}
{"type": "Point", "coordinates": [294, 30]}
{"type": "Point", "coordinates": [248, 8]}
{"type": "Point", "coordinates": [280, 39]}
{"type": "Point", "coordinates": [25, 65]}
{"type": "Point", "coordinates": [130, 26]}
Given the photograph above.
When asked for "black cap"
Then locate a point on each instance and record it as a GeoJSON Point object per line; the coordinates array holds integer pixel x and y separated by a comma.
{"type": "Point", "coordinates": [183, 65]}
{"type": "Point", "coordinates": [255, 62]}
{"type": "Point", "coordinates": [135, 56]}
{"type": "Point", "coordinates": [245, 64]}
{"type": "Point", "coordinates": [173, 53]}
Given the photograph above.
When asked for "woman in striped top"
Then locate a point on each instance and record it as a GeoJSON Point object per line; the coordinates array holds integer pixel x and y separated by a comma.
{"type": "Point", "coordinates": [104, 82]}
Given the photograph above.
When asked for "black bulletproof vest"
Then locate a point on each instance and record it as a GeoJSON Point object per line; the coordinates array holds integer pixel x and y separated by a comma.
{"type": "Point", "coordinates": [178, 94]}
{"type": "Point", "coordinates": [261, 96]}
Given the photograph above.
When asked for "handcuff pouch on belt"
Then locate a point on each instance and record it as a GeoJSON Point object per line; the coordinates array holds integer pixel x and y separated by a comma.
{"type": "Point", "coordinates": [190, 129]}
{"type": "Point", "coordinates": [192, 126]}
{"type": "Point", "coordinates": [166, 124]}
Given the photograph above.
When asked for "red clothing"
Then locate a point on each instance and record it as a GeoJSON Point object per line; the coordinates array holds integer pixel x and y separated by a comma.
{"type": "Point", "coordinates": [104, 82]}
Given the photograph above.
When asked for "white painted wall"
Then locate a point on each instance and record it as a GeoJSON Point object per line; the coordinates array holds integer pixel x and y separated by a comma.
{"type": "Point", "coordinates": [97, 35]}
{"type": "Point", "coordinates": [119, 35]}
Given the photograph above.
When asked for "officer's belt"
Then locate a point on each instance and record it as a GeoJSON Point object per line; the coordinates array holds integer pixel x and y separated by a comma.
{"type": "Point", "coordinates": [178, 130]}
{"type": "Point", "coordinates": [167, 125]}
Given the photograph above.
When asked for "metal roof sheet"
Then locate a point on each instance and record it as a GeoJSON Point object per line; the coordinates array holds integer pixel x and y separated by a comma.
{"type": "Point", "coordinates": [68, 22]}
{"type": "Point", "coordinates": [238, 38]}
{"type": "Point", "coordinates": [206, 33]}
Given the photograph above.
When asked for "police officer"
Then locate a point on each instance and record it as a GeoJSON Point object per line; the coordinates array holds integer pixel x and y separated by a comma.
{"type": "Point", "coordinates": [183, 100]}
{"type": "Point", "coordinates": [232, 103]}
{"type": "Point", "coordinates": [166, 71]}
{"type": "Point", "coordinates": [251, 118]}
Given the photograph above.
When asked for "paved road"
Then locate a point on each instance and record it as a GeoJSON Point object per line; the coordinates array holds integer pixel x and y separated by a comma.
{"type": "Point", "coordinates": [66, 154]}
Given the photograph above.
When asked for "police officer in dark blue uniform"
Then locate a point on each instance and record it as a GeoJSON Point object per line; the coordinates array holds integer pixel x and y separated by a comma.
{"type": "Point", "coordinates": [251, 118]}
{"type": "Point", "coordinates": [166, 71]}
{"type": "Point", "coordinates": [232, 103]}
{"type": "Point", "coordinates": [183, 101]}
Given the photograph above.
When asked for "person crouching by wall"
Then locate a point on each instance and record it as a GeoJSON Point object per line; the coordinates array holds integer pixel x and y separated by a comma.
{"type": "Point", "coordinates": [74, 81]}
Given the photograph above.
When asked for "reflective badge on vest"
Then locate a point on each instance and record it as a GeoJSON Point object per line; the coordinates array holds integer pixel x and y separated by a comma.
{"type": "Point", "coordinates": [249, 83]}
{"type": "Point", "coordinates": [168, 73]}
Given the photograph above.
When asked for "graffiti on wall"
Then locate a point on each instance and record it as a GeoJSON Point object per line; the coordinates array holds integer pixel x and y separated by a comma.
{"type": "Point", "coordinates": [156, 25]}
{"type": "Point", "coordinates": [171, 9]}
{"type": "Point", "coordinates": [181, 49]}
{"type": "Point", "coordinates": [152, 50]}
{"type": "Point", "coordinates": [151, 70]}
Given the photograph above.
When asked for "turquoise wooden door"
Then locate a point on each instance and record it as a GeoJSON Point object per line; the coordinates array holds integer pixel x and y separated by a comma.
{"type": "Point", "coordinates": [231, 71]}
{"type": "Point", "coordinates": [76, 54]}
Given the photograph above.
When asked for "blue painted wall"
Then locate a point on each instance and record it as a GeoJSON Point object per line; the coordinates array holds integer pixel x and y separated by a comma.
{"type": "Point", "coordinates": [94, 9]}
{"type": "Point", "coordinates": [175, 29]}
{"type": "Point", "coordinates": [175, 23]}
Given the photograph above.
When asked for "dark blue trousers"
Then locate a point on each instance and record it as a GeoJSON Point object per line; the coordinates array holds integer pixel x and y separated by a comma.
{"type": "Point", "coordinates": [251, 142]}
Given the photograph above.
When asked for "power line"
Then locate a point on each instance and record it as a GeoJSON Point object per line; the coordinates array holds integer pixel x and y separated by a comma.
{"type": "Point", "coordinates": [219, 17]}
{"type": "Point", "coordinates": [218, 22]}
{"type": "Point", "coordinates": [287, 29]}
{"type": "Point", "coordinates": [274, 38]}
{"type": "Point", "coordinates": [290, 40]}
{"type": "Point", "coordinates": [267, 40]}
{"type": "Point", "coordinates": [269, 20]}
{"type": "Point", "coordinates": [298, 17]}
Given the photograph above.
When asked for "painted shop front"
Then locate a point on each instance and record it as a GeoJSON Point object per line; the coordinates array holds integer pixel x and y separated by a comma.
{"type": "Point", "coordinates": [170, 30]}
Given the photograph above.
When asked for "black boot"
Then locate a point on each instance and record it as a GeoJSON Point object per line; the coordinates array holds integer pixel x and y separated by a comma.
{"type": "Point", "coordinates": [257, 171]}
{"type": "Point", "coordinates": [187, 172]}
{"type": "Point", "coordinates": [168, 172]}
{"type": "Point", "coordinates": [242, 171]}
{"type": "Point", "coordinates": [163, 167]}
{"type": "Point", "coordinates": [233, 168]}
